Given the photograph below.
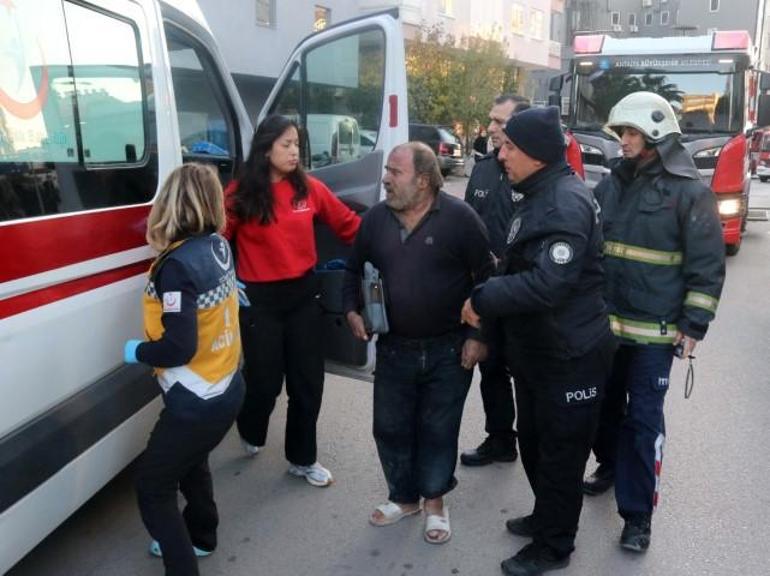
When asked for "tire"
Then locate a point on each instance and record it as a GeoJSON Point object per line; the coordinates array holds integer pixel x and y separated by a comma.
{"type": "Point", "coordinates": [732, 249]}
{"type": "Point", "coordinates": [763, 178]}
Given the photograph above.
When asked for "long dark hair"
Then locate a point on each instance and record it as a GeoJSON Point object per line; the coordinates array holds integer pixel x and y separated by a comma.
{"type": "Point", "coordinates": [254, 196]}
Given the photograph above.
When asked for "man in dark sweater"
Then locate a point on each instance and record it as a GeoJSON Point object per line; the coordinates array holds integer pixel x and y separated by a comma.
{"type": "Point", "coordinates": [431, 249]}
{"type": "Point", "coordinates": [490, 194]}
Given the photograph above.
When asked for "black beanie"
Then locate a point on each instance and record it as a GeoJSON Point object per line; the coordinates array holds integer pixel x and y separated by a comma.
{"type": "Point", "coordinates": [537, 131]}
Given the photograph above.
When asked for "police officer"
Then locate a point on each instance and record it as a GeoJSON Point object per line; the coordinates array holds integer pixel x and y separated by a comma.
{"type": "Point", "coordinates": [664, 261]}
{"type": "Point", "coordinates": [557, 333]}
{"type": "Point", "coordinates": [489, 193]}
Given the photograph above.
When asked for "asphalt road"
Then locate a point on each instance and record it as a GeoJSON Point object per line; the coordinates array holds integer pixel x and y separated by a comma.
{"type": "Point", "coordinates": [713, 519]}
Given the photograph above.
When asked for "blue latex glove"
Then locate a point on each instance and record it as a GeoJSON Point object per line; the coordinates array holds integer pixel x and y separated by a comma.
{"type": "Point", "coordinates": [243, 300]}
{"type": "Point", "coordinates": [129, 351]}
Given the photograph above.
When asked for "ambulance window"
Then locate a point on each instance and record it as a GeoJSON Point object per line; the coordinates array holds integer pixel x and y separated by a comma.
{"type": "Point", "coordinates": [75, 121]}
{"type": "Point", "coordinates": [341, 84]}
{"type": "Point", "coordinates": [107, 86]}
{"type": "Point", "coordinates": [205, 125]}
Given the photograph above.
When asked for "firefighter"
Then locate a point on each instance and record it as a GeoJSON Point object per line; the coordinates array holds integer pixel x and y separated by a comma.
{"type": "Point", "coordinates": [557, 334]}
{"type": "Point", "coordinates": [664, 262]}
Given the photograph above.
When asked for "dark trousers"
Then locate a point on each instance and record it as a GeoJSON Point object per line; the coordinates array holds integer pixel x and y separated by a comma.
{"type": "Point", "coordinates": [281, 336]}
{"type": "Point", "coordinates": [632, 431]}
{"type": "Point", "coordinates": [176, 459]}
{"type": "Point", "coordinates": [419, 393]}
{"type": "Point", "coordinates": [559, 403]}
{"type": "Point", "coordinates": [497, 392]}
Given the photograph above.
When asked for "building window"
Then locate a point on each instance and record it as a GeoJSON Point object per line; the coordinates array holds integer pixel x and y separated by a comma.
{"type": "Point", "coordinates": [266, 13]}
{"type": "Point", "coordinates": [322, 18]}
{"type": "Point", "coordinates": [615, 18]}
{"type": "Point", "coordinates": [517, 19]}
{"type": "Point", "coordinates": [664, 18]}
{"type": "Point", "coordinates": [537, 19]}
{"type": "Point", "coordinates": [632, 19]}
{"type": "Point", "coordinates": [713, 5]}
{"type": "Point", "coordinates": [446, 7]}
{"type": "Point", "coordinates": [648, 19]}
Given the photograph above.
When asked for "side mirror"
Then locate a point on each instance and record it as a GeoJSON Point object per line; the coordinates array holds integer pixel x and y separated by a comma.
{"type": "Point", "coordinates": [763, 110]}
{"type": "Point", "coordinates": [555, 84]}
{"type": "Point", "coordinates": [555, 100]}
{"type": "Point", "coordinates": [764, 81]}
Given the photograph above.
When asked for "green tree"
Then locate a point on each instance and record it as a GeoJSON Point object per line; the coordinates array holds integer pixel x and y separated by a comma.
{"type": "Point", "coordinates": [453, 81]}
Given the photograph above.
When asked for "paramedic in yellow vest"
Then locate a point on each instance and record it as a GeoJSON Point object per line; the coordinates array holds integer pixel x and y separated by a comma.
{"type": "Point", "coordinates": [192, 340]}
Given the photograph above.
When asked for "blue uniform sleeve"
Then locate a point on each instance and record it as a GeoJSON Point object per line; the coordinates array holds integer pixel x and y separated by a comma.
{"type": "Point", "coordinates": [179, 342]}
{"type": "Point", "coordinates": [556, 268]}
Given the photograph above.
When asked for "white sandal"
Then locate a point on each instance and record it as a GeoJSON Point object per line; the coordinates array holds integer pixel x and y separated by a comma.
{"type": "Point", "coordinates": [438, 523]}
{"type": "Point", "coordinates": [391, 513]}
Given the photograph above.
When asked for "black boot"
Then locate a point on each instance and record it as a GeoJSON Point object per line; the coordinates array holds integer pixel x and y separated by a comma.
{"type": "Point", "coordinates": [532, 560]}
{"type": "Point", "coordinates": [636, 533]}
{"type": "Point", "coordinates": [521, 526]}
{"type": "Point", "coordinates": [600, 481]}
{"type": "Point", "coordinates": [493, 449]}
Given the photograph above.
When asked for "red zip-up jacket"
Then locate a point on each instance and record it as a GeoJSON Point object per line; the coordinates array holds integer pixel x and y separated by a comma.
{"type": "Point", "coordinates": [285, 248]}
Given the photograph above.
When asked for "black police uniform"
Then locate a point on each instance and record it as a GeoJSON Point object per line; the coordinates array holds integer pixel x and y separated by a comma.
{"type": "Point", "coordinates": [558, 337]}
{"type": "Point", "coordinates": [490, 194]}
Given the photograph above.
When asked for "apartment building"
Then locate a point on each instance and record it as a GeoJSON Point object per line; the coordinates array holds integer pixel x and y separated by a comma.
{"type": "Point", "coordinates": [256, 36]}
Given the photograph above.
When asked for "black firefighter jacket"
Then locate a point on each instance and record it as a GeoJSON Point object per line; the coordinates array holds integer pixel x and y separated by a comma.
{"type": "Point", "coordinates": [664, 253]}
{"type": "Point", "coordinates": [549, 294]}
{"type": "Point", "coordinates": [490, 194]}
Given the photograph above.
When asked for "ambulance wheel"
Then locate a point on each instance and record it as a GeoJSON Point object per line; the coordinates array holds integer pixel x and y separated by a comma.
{"type": "Point", "coordinates": [732, 249]}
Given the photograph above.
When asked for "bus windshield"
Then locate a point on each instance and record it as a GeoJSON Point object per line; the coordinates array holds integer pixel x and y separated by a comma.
{"type": "Point", "coordinates": [705, 102]}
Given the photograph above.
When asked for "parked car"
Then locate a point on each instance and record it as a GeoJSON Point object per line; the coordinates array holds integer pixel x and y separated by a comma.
{"type": "Point", "coordinates": [446, 145]}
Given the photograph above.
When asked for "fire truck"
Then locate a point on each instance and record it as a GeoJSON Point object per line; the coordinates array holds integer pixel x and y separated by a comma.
{"type": "Point", "coordinates": [711, 82]}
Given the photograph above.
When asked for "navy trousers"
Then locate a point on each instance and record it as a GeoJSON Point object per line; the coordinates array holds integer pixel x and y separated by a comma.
{"type": "Point", "coordinates": [632, 428]}
{"type": "Point", "coordinates": [176, 460]}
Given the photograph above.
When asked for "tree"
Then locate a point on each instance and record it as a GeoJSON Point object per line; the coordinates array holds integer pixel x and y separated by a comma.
{"type": "Point", "coordinates": [455, 81]}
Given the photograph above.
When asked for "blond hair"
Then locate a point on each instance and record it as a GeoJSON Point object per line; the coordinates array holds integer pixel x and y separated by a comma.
{"type": "Point", "coordinates": [189, 202]}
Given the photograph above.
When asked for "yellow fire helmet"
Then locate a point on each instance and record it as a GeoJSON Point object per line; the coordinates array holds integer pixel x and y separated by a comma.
{"type": "Point", "coordinates": [647, 112]}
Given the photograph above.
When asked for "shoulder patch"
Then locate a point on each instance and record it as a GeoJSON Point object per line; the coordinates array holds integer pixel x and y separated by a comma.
{"type": "Point", "coordinates": [560, 252]}
{"type": "Point", "coordinates": [515, 227]}
{"type": "Point", "coordinates": [172, 302]}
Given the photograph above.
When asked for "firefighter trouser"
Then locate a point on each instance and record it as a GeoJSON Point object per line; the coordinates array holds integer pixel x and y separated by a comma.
{"type": "Point", "coordinates": [558, 409]}
{"type": "Point", "coordinates": [634, 416]}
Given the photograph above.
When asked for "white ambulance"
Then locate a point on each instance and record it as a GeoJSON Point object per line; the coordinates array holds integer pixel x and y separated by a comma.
{"type": "Point", "coordinates": [99, 101]}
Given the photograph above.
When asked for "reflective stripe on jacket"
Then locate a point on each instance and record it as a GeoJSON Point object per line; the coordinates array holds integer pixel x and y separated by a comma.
{"type": "Point", "coordinates": [664, 253]}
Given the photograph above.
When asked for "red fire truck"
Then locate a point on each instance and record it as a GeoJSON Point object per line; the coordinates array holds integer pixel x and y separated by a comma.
{"type": "Point", "coordinates": [711, 82]}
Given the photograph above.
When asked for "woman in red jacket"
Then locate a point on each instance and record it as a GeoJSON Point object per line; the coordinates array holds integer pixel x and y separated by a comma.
{"type": "Point", "coordinates": [271, 209]}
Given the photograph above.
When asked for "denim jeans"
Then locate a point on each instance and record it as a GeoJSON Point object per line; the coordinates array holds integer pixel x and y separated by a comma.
{"type": "Point", "coordinates": [419, 393]}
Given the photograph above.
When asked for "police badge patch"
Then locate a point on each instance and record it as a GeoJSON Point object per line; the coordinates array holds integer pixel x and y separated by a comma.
{"type": "Point", "coordinates": [515, 226]}
{"type": "Point", "coordinates": [560, 252]}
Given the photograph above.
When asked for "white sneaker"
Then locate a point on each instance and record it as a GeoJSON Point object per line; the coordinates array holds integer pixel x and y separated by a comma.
{"type": "Point", "coordinates": [250, 449]}
{"type": "Point", "coordinates": [315, 474]}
